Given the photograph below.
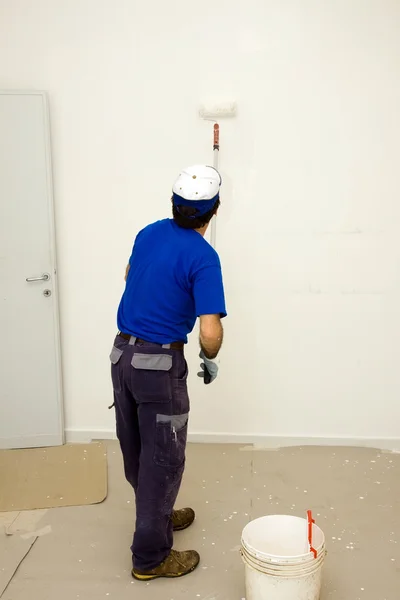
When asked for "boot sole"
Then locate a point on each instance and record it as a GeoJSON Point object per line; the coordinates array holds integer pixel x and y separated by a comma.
{"type": "Point", "coordinates": [139, 577]}
{"type": "Point", "coordinates": [183, 527]}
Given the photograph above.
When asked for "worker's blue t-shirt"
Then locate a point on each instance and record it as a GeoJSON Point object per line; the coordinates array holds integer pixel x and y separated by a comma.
{"type": "Point", "coordinates": [174, 277]}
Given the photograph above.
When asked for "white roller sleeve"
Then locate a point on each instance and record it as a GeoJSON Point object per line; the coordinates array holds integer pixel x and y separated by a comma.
{"type": "Point", "coordinates": [218, 110]}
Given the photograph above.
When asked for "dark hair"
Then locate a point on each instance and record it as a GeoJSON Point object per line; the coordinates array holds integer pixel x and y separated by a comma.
{"type": "Point", "coordinates": [184, 216]}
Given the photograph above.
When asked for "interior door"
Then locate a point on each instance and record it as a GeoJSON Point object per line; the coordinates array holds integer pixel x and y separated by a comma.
{"type": "Point", "coordinates": [30, 374]}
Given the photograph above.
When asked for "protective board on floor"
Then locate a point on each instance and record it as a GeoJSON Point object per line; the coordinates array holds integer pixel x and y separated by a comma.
{"type": "Point", "coordinates": [71, 475]}
{"type": "Point", "coordinates": [87, 555]}
{"type": "Point", "coordinates": [13, 550]}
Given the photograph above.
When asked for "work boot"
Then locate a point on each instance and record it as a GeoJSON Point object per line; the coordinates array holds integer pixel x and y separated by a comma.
{"type": "Point", "coordinates": [177, 564]}
{"type": "Point", "coordinates": [182, 519]}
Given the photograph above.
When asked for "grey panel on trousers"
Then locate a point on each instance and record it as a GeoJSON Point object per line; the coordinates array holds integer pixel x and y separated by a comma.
{"type": "Point", "coordinates": [115, 355]}
{"type": "Point", "coordinates": [152, 362]}
{"type": "Point", "coordinates": [177, 421]}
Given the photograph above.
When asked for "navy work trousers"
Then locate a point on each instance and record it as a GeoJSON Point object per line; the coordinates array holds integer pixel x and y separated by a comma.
{"type": "Point", "coordinates": [152, 408]}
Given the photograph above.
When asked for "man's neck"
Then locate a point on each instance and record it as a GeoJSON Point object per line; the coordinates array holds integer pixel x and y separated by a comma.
{"type": "Point", "coordinates": [202, 230]}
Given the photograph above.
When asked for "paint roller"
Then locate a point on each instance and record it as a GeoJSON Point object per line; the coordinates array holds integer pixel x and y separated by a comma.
{"type": "Point", "coordinates": [213, 112]}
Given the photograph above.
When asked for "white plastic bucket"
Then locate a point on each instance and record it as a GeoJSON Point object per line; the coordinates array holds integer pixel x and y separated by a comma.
{"type": "Point", "coordinates": [278, 560]}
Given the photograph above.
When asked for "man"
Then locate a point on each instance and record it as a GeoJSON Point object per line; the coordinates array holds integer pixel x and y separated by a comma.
{"type": "Point", "coordinates": [173, 277]}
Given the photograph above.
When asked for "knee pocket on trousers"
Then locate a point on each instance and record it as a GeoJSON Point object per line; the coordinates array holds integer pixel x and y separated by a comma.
{"type": "Point", "coordinates": [170, 440]}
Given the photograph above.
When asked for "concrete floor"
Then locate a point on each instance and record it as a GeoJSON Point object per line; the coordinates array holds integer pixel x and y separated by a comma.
{"type": "Point", "coordinates": [83, 552]}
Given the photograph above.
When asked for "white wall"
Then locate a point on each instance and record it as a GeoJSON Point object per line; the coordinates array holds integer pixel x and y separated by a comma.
{"type": "Point", "coordinates": [308, 232]}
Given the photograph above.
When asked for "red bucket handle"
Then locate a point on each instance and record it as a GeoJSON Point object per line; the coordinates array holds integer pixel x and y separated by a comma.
{"type": "Point", "coordinates": [310, 522]}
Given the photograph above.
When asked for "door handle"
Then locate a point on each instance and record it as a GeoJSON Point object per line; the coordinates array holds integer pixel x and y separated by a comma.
{"type": "Point", "coordinates": [44, 277]}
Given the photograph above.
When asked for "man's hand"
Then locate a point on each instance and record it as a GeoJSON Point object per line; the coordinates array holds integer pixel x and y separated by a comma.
{"type": "Point", "coordinates": [209, 369]}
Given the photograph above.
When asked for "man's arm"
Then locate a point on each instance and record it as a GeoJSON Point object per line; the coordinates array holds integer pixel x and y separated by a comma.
{"type": "Point", "coordinates": [208, 293]}
{"type": "Point", "coordinates": [211, 335]}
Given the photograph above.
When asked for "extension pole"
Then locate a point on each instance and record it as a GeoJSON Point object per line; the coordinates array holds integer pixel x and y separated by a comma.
{"type": "Point", "coordinates": [213, 233]}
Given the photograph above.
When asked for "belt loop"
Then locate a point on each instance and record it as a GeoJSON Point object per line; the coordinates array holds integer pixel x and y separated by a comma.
{"type": "Point", "coordinates": [166, 346]}
{"type": "Point", "coordinates": [132, 341]}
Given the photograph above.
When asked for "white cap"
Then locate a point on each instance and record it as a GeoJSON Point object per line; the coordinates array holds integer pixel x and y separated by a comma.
{"type": "Point", "coordinates": [198, 183]}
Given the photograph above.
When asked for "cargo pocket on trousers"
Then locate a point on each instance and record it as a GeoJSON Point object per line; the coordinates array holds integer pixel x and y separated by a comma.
{"type": "Point", "coordinates": [171, 438]}
{"type": "Point", "coordinates": [115, 355]}
{"type": "Point", "coordinates": [151, 379]}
